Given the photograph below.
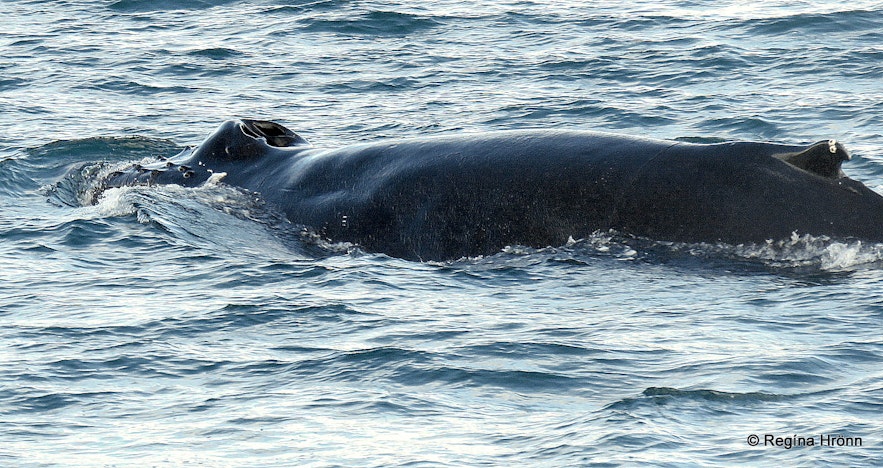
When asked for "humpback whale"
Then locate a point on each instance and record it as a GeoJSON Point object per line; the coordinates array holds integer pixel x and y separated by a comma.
{"type": "Point", "coordinates": [452, 196]}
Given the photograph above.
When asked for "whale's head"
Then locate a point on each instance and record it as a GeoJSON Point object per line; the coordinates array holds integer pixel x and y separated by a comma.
{"type": "Point", "coordinates": [235, 147]}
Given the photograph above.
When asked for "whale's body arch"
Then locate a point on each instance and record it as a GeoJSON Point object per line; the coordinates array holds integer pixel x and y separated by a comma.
{"type": "Point", "coordinates": [448, 197]}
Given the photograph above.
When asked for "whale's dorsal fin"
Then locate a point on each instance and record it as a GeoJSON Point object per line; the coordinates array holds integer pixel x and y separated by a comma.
{"type": "Point", "coordinates": [823, 158]}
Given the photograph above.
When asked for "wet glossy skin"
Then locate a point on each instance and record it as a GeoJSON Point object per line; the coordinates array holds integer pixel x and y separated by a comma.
{"type": "Point", "coordinates": [447, 197]}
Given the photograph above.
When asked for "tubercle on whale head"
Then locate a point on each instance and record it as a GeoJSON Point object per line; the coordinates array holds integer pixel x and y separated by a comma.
{"type": "Point", "coordinates": [178, 170]}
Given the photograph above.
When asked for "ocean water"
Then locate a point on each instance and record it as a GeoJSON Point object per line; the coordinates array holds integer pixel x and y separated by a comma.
{"type": "Point", "coordinates": [166, 326]}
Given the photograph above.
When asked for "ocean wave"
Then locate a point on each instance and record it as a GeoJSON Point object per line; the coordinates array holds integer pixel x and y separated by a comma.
{"type": "Point", "coordinates": [215, 53]}
{"type": "Point", "coordinates": [115, 149]}
{"type": "Point", "coordinates": [800, 253]}
{"type": "Point", "coordinates": [816, 23]}
{"type": "Point", "coordinates": [300, 6]}
{"type": "Point", "coordinates": [11, 83]}
{"type": "Point", "coordinates": [125, 86]}
{"type": "Point", "coordinates": [373, 23]}
{"type": "Point", "coordinates": [139, 6]}
{"type": "Point", "coordinates": [669, 395]}
{"type": "Point", "coordinates": [214, 217]}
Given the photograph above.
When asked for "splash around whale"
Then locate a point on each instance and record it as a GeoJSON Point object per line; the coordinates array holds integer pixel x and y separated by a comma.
{"type": "Point", "coordinates": [447, 197]}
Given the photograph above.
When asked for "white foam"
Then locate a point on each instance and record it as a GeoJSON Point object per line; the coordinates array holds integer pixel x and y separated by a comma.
{"type": "Point", "coordinates": [215, 178]}
{"type": "Point", "coordinates": [115, 202]}
{"type": "Point", "coordinates": [801, 251]}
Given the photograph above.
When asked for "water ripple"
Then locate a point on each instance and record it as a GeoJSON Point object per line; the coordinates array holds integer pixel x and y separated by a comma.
{"type": "Point", "coordinates": [164, 326]}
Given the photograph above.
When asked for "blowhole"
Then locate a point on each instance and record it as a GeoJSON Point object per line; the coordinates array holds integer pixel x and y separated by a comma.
{"type": "Point", "coordinates": [274, 134]}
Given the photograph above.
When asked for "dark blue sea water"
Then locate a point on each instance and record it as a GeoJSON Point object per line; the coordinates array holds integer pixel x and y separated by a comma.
{"type": "Point", "coordinates": [166, 326]}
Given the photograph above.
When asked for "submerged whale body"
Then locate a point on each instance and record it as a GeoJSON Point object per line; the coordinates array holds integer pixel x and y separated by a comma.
{"type": "Point", "coordinates": [447, 197]}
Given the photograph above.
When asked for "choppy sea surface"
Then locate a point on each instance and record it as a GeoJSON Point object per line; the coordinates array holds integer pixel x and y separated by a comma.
{"type": "Point", "coordinates": [165, 326]}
